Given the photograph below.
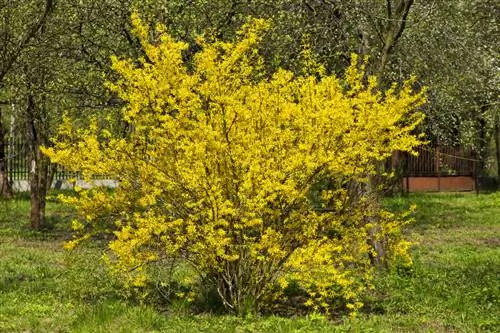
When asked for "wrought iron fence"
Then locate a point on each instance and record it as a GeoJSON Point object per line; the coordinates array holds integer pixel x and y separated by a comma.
{"type": "Point", "coordinates": [17, 156]}
{"type": "Point", "coordinates": [441, 161]}
{"type": "Point", "coordinates": [17, 159]}
{"type": "Point", "coordinates": [431, 161]}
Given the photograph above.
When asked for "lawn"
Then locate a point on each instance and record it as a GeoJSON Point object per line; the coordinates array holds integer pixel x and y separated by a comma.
{"type": "Point", "coordinates": [454, 285]}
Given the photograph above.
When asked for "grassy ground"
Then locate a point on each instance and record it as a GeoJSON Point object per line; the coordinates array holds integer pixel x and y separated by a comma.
{"type": "Point", "coordinates": [454, 286]}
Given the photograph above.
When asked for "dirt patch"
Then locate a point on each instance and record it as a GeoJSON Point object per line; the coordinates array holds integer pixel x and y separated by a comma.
{"type": "Point", "coordinates": [489, 241]}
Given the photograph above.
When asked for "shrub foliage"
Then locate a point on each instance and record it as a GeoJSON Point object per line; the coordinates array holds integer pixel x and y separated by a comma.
{"type": "Point", "coordinates": [220, 168]}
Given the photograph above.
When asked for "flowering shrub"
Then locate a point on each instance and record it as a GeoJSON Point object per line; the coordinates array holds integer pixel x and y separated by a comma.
{"type": "Point", "coordinates": [220, 162]}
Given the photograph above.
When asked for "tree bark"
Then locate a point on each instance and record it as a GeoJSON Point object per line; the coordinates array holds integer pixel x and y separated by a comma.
{"type": "Point", "coordinates": [39, 168]}
{"type": "Point", "coordinates": [397, 15]}
{"type": "Point", "coordinates": [483, 139]}
{"type": "Point", "coordinates": [497, 145]}
{"type": "Point", "coordinates": [5, 186]}
{"type": "Point", "coordinates": [38, 189]}
{"type": "Point", "coordinates": [6, 64]}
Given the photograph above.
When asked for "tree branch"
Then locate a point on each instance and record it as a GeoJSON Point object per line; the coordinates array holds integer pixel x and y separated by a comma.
{"type": "Point", "coordinates": [393, 31]}
{"type": "Point", "coordinates": [30, 33]}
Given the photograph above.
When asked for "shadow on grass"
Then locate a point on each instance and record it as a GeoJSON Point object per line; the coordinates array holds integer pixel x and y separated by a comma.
{"type": "Point", "coordinates": [15, 219]}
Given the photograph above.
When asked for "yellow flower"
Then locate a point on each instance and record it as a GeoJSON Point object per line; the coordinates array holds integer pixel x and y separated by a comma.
{"type": "Point", "coordinates": [222, 160]}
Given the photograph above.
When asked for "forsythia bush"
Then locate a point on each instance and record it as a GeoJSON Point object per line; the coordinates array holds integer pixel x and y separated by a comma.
{"type": "Point", "coordinates": [219, 164]}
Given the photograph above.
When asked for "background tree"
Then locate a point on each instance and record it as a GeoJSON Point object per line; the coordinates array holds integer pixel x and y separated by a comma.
{"type": "Point", "coordinates": [20, 22]}
{"type": "Point", "coordinates": [453, 50]}
{"type": "Point", "coordinates": [79, 38]}
{"type": "Point", "coordinates": [59, 68]}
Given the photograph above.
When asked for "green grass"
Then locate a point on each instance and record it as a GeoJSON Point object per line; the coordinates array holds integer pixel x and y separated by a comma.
{"type": "Point", "coordinates": [454, 285]}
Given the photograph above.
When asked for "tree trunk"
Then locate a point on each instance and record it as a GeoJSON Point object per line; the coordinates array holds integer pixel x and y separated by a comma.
{"type": "Point", "coordinates": [397, 14]}
{"type": "Point", "coordinates": [5, 186]}
{"type": "Point", "coordinates": [497, 145]}
{"type": "Point", "coordinates": [39, 168]}
{"type": "Point", "coordinates": [482, 141]}
{"type": "Point", "coordinates": [38, 187]}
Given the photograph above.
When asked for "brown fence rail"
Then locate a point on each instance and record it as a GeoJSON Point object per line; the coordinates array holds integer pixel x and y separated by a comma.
{"type": "Point", "coordinates": [436, 161]}
{"type": "Point", "coordinates": [440, 169]}
{"type": "Point", "coordinates": [440, 161]}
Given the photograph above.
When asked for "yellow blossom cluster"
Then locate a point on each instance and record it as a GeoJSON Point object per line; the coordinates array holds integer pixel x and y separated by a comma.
{"type": "Point", "coordinates": [219, 162]}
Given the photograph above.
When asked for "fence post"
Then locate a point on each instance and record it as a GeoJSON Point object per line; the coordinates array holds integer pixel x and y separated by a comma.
{"type": "Point", "coordinates": [407, 173]}
{"type": "Point", "coordinates": [437, 167]}
{"type": "Point", "coordinates": [474, 174]}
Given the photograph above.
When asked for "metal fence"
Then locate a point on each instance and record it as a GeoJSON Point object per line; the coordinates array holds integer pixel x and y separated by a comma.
{"type": "Point", "coordinates": [17, 156]}
{"type": "Point", "coordinates": [440, 161]}
{"type": "Point", "coordinates": [430, 162]}
{"type": "Point", "coordinates": [17, 159]}
{"type": "Point", "coordinates": [439, 169]}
